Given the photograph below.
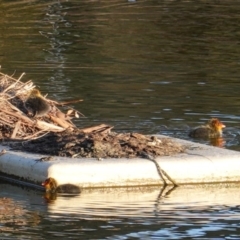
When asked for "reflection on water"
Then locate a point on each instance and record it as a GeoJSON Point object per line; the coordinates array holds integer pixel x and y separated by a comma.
{"type": "Point", "coordinates": [123, 213]}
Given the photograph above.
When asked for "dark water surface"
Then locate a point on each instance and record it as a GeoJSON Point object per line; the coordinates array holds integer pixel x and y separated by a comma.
{"type": "Point", "coordinates": [145, 66]}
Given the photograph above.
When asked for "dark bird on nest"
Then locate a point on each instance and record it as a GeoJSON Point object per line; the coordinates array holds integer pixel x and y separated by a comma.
{"type": "Point", "coordinates": [37, 104]}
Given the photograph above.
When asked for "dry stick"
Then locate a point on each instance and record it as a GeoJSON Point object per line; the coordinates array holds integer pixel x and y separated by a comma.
{"type": "Point", "coordinates": [161, 172]}
{"type": "Point", "coordinates": [48, 126]}
{"type": "Point", "coordinates": [101, 127]}
{"type": "Point", "coordinates": [16, 129]}
{"type": "Point", "coordinates": [30, 87]}
{"type": "Point", "coordinates": [39, 124]}
{"type": "Point", "coordinates": [14, 84]}
{"type": "Point", "coordinates": [9, 87]}
{"type": "Point", "coordinates": [139, 136]}
{"type": "Point", "coordinates": [28, 82]}
{"type": "Point", "coordinates": [7, 121]}
{"type": "Point", "coordinates": [67, 102]}
{"type": "Point", "coordinates": [20, 77]}
{"type": "Point", "coordinates": [11, 110]}
{"type": "Point", "coordinates": [5, 75]}
{"type": "Point", "coordinates": [74, 110]}
{"type": "Point", "coordinates": [66, 118]}
{"type": "Point", "coordinates": [31, 137]}
{"type": "Point", "coordinates": [61, 122]}
{"type": "Point", "coordinates": [107, 129]}
{"type": "Point", "coordinates": [13, 73]}
{"type": "Point", "coordinates": [168, 177]}
{"type": "Point", "coordinates": [26, 119]}
{"type": "Point", "coordinates": [12, 124]}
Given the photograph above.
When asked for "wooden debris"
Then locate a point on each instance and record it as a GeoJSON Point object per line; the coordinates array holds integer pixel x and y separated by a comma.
{"type": "Point", "coordinates": [17, 126]}
{"type": "Point", "coordinates": [61, 122]}
{"type": "Point", "coordinates": [15, 121]}
{"type": "Point", "coordinates": [96, 129]}
{"type": "Point", "coordinates": [44, 126]}
{"type": "Point", "coordinates": [100, 144]}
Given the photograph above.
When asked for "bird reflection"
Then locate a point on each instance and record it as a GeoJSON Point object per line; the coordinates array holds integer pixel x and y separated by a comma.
{"type": "Point", "coordinates": [52, 189]}
{"type": "Point", "coordinates": [218, 142]}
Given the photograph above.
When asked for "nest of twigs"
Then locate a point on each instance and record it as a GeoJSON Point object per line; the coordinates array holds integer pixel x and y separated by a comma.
{"type": "Point", "coordinates": [54, 133]}
{"type": "Point", "coordinates": [15, 121]}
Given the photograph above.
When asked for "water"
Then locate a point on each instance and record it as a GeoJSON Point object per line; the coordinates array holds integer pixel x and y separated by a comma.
{"type": "Point", "coordinates": [145, 66]}
{"type": "Point", "coordinates": [190, 212]}
{"type": "Point", "coordinates": [138, 65]}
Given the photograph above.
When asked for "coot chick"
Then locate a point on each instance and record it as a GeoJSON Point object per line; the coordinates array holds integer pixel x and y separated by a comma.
{"type": "Point", "coordinates": [37, 103]}
{"type": "Point", "coordinates": [51, 186]}
{"type": "Point", "coordinates": [213, 129]}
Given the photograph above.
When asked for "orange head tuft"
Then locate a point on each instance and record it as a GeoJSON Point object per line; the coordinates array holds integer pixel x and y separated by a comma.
{"type": "Point", "coordinates": [215, 123]}
{"type": "Point", "coordinates": [35, 93]}
{"type": "Point", "coordinates": [50, 184]}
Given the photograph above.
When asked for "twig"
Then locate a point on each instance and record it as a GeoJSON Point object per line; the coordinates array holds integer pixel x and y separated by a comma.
{"type": "Point", "coordinates": [161, 172]}
{"type": "Point", "coordinates": [18, 115]}
{"type": "Point", "coordinates": [99, 128]}
{"type": "Point", "coordinates": [169, 178]}
{"type": "Point", "coordinates": [22, 89]}
{"type": "Point", "coordinates": [14, 84]}
{"type": "Point", "coordinates": [21, 126]}
{"type": "Point", "coordinates": [20, 77]}
{"type": "Point", "coordinates": [5, 75]}
{"type": "Point", "coordinates": [61, 122]}
{"type": "Point", "coordinates": [13, 73]}
{"type": "Point", "coordinates": [48, 126]}
{"type": "Point", "coordinates": [7, 121]}
{"type": "Point", "coordinates": [32, 136]}
{"type": "Point", "coordinates": [67, 102]}
{"type": "Point", "coordinates": [16, 129]}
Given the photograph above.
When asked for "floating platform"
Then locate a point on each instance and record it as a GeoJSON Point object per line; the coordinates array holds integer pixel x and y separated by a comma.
{"type": "Point", "coordinates": [199, 164]}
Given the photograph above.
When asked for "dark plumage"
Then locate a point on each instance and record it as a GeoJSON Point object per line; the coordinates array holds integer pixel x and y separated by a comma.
{"type": "Point", "coordinates": [213, 129]}
{"type": "Point", "coordinates": [51, 186]}
{"type": "Point", "coordinates": [37, 104]}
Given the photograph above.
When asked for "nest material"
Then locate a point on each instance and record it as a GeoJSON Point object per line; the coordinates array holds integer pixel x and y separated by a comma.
{"type": "Point", "coordinates": [101, 144]}
{"type": "Point", "coordinates": [55, 134]}
{"type": "Point", "coordinates": [16, 123]}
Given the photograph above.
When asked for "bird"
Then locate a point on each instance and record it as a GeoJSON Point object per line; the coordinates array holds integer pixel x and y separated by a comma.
{"type": "Point", "coordinates": [51, 186]}
{"type": "Point", "coordinates": [37, 103]}
{"type": "Point", "coordinates": [213, 129]}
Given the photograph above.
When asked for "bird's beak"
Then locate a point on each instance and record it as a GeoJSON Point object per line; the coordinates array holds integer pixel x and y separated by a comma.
{"type": "Point", "coordinates": [223, 126]}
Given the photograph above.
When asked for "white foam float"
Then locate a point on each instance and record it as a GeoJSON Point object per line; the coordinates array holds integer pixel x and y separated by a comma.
{"type": "Point", "coordinates": [197, 165]}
